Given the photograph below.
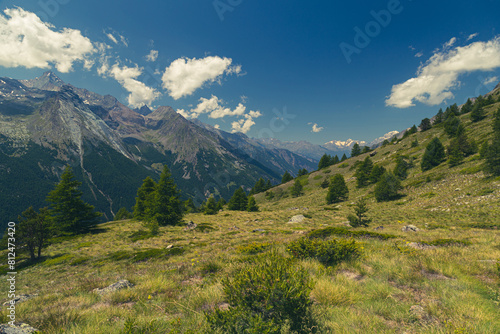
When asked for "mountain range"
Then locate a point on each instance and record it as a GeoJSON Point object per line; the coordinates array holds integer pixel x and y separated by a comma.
{"type": "Point", "coordinates": [46, 124]}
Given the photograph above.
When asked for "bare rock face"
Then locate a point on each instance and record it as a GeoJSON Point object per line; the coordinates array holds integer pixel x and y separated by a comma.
{"type": "Point", "coordinates": [18, 328]}
{"type": "Point", "coordinates": [123, 284]}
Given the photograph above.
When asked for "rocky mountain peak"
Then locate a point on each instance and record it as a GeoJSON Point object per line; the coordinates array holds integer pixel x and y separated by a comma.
{"type": "Point", "coordinates": [48, 81]}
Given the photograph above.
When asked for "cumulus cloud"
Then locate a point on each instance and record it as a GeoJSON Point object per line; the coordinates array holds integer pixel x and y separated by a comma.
{"type": "Point", "coordinates": [27, 41]}
{"type": "Point", "coordinates": [439, 75]}
{"type": "Point", "coordinates": [140, 94]}
{"type": "Point", "coordinates": [490, 80]}
{"type": "Point", "coordinates": [152, 56]}
{"type": "Point", "coordinates": [215, 108]}
{"type": "Point", "coordinates": [184, 75]}
{"type": "Point", "coordinates": [316, 128]}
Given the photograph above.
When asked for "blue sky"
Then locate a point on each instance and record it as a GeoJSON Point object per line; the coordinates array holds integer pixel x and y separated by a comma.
{"type": "Point", "coordinates": [267, 68]}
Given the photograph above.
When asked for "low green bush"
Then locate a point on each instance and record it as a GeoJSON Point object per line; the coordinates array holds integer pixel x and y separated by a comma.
{"type": "Point", "coordinates": [340, 231]}
{"type": "Point", "coordinates": [446, 242]}
{"type": "Point", "coordinates": [329, 252]}
{"type": "Point", "coordinates": [253, 248]}
{"type": "Point", "coordinates": [267, 295]}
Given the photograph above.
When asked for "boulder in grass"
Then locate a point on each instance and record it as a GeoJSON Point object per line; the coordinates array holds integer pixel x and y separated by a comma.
{"type": "Point", "coordinates": [297, 219]}
{"type": "Point", "coordinates": [123, 284]}
{"type": "Point", "coordinates": [18, 328]}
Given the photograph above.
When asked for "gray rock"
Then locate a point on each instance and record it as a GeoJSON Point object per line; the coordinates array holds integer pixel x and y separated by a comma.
{"type": "Point", "coordinates": [123, 284]}
{"type": "Point", "coordinates": [18, 328]}
{"type": "Point", "coordinates": [191, 226]}
{"type": "Point", "coordinates": [297, 219]}
{"type": "Point", "coordinates": [379, 228]}
{"type": "Point", "coordinates": [259, 230]}
{"type": "Point", "coordinates": [410, 228]}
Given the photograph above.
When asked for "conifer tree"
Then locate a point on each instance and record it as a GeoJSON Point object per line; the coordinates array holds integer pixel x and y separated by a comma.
{"type": "Point", "coordinates": [387, 187]}
{"type": "Point", "coordinates": [359, 218]}
{"type": "Point", "coordinates": [167, 207]}
{"type": "Point", "coordinates": [434, 155]}
{"type": "Point", "coordinates": [344, 158]}
{"type": "Point", "coordinates": [220, 203]}
{"type": "Point", "coordinates": [451, 125]}
{"type": "Point", "coordinates": [302, 172]}
{"type": "Point", "coordinates": [239, 200]}
{"type": "Point", "coordinates": [33, 231]}
{"type": "Point", "coordinates": [477, 114]}
{"type": "Point", "coordinates": [123, 214]}
{"type": "Point", "coordinates": [296, 189]}
{"type": "Point", "coordinates": [401, 169]}
{"type": "Point", "coordinates": [425, 125]}
{"type": "Point", "coordinates": [69, 212]}
{"type": "Point", "coordinates": [324, 161]}
{"type": "Point", "coordinates": [356, 150]}
{"type": "Point", "coordinates": [493, 155]}
{"type": "Point", "coordinates": [211, 206]}
{"type": "Point", "coordinates": [189, 206]}
{"type": "Point", "coordinates": [268, 185]}
{"type": "Point", "coordinates": [439, 117]}
{"type": "Point", "coordinates": [467, 107]}
{"type": "Point", "coordinates": [376, 173]}
{"type": "Point", "coordinates": [286, 178]}
{"type": "Point", "coordinates": [363, 173]}
{"type": "Point", "coordinates": [337, 191]}
{"type": "Point", "coordinates": [252, 204]}
{"type": "Point", "coordinates": [144, 200]}
{"type": "Point", "coordinates": [335, 160]}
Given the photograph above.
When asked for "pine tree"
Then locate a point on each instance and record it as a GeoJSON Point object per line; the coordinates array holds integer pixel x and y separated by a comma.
{"type": "Point", "coordinates": [434, 155]}
{"type": "Point", "coordinates": [335, 160]}
{"type": "Point", "coordinates": [69, 212]}
{"type": "Point", "coordinates": [296, 189]}
{"type": "Point", "coordinates": [387, 188]}
{"type": "Point", "coordinates": [252, 204]}
{"type": "Point", "coordinates": [477, 114]}
{"type": "Point", "coordinates": [401, 169]}
{"type": "Point", "coordinates": [325, 184]}
{"type": "Point", "coordinates": [483, 152]}
{"type": "Point", "coordinates": [467, 107]}
{"type": "Point", "coordinates": [167, 207]}
{"type": "Point", "coordinates": [302, 172]}
{"type": "Point", "coordinates": [33, 231]}
{"type": "Point", "coordinates": [268, 185]}
{"type": "Point", "coordinates": [363, 172]}
{"type": "Point", "coordinates": [359, 218]}
{"type": "Point", "coordinates": [324, 161]}
{"type": "Point", "coordinates": [123, 214]}
{"type": "Point", "coordinates": [356, 150]}
{"type": "Point", "coordinates": [259, 187]}
{"type": "Point", "coordinates": [385, 142]}
{"type": "Point", "coordinates": [220, 203]}
{"type": "Point", "coordinates": [144, 200]}
{"type": "Point", "coordinates": [211, 206]}
{"type": "Point", "coordinates": [337, 191]}
{"type": "Point", "coordinates": [344, 158]}
{"type": "Point", "coordinates": [239, 200]}
{"type": "Point", "coordinates": [489, 100]}
{"type": "Point", "coordinates": [439, 117]}
{"type": "Point", "coordinates": [189, 206]}
{"type": "Point", "coordinates": [455, 155]}
{"type": "Point", "coordinates": [414, 143]}
{"type": "Point", "coordinates": [451, 125]}
{"type": "Point", "coordinates": [286, 178]}
{"type": "Point", "coordinates": [493, 155]}
{"type": "Point", "coordinates": [425, 124]}
{"type": "Point", "coordinates": [376, 174]}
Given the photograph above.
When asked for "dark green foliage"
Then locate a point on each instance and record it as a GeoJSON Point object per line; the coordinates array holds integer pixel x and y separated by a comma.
{"type": "Point", "coordinates": [337, 191]}
{"type": "Point", "coordinates": [493, 154]}
{"type": "Point", "coordinates": [261, 186]}
{"type": "Point", "coordinates": [359, 218]}
{"type": "Point", "coordinates": [167, 207]}
{"type": "Point", "coordinates": [329, 252]}
{"type": "Point", "coordinates": [483, 152]}
{"type": "Point", "coordinates": [253, 248]}
{"type": "Point", "coordinates": [344, 158]}
{"type": "Point", "coordinates": [144, 200]}
{"type": "Point", "coordinates": [363, 172]}
{"type": "Point", "coordinates": [286, 178]}
{"type": "Point", "coordinates": [302, 172]}
{"type": "Point", "coordinates": [402, 167]}
{"type": "Point", "coordinates": [356, 150]}
{"type": "Point", "coordinates": [211, 206]}
{"type": "Point", "coordinates": [385, 143]}
{"type": "Point", "coordinates": [467, 107]}
{"type": "Point", "coordinates": [477, 114]}
{"type": "Point", "coordinates": [68, 211]}
{"type": "Point", "coordinates": [341, 231]}
{"type": "Point", "coordinates": [425, 124]}
{"type": "Point", "coordinates": [269, 195]}
{"type": "Point", "coordinates": [268, 295]}
{"type": "Point", "coordinates": [252, 204]}
{"type": "Point", "coordinates": [296, 189]}
{"type": "Point", "coordinates": [325, 183]}
{"type": "Point", "coordinates": [324, 162]}
{"type": "Point", "coordinates": [239, 201]}
{"type": "Point", "coordinates": [189, 206]}
{"type": "Point", "coordinates": [414, 143]}
{"type": "Point", "coordinates": [460, 147]}
{"type": "Point", "coordinates": [439, 117]}
{"type": "Point", "coordinates": [33, 231]}
{"type": "Point", "coordinates": [451, 125]}
{"type": "Point", "coordinates": [366, 149]}
{"type": "Point", "coordinates": [376, 174]}
{"type": "Point", "coordinates": [220, 203]}
{"type": "Point", "coordinates": [335, 160]}
{"type": "Point", "coordinates": [410, 131]}
{"type": "Point", "coordinates": [489, 100]}
{"type": "Point", "coordinates": [434, 155]}
{"type": "Point", "coordinates": [387, 188]}
{"type": "Point", "coordinates": [122, 214]}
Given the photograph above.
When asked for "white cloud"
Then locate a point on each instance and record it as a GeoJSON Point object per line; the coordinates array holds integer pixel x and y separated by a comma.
{"type": "Point", "coordinates": [27, 41]}
{"type": "Point", "coordinates": [112, 38]}
{"type": "Point", "coordinates": [490, 80]}
{"type": "Point", "coordinates": [112, 35]}
{"type": "Point", "coordinates": [472, 36]}
{"type": "Point", "coordinates": [152, 56]}
{"type": "Point", "coordinates": [140, 94]}
{"type": "Point", "coordinates": [418, 55]}
{"type": "Point", "coordinates": [217, 126]}
{"type": "Point", "coordinates": [243, 125]}
{"type": "Point", "coordinates": [450, 43]}
{"type": "Point", "coordinates": [316, 128]}
{"type": "Point", "coordinates": [439, 75]}
{"type": "Point", "coordinates": [184, 75]}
